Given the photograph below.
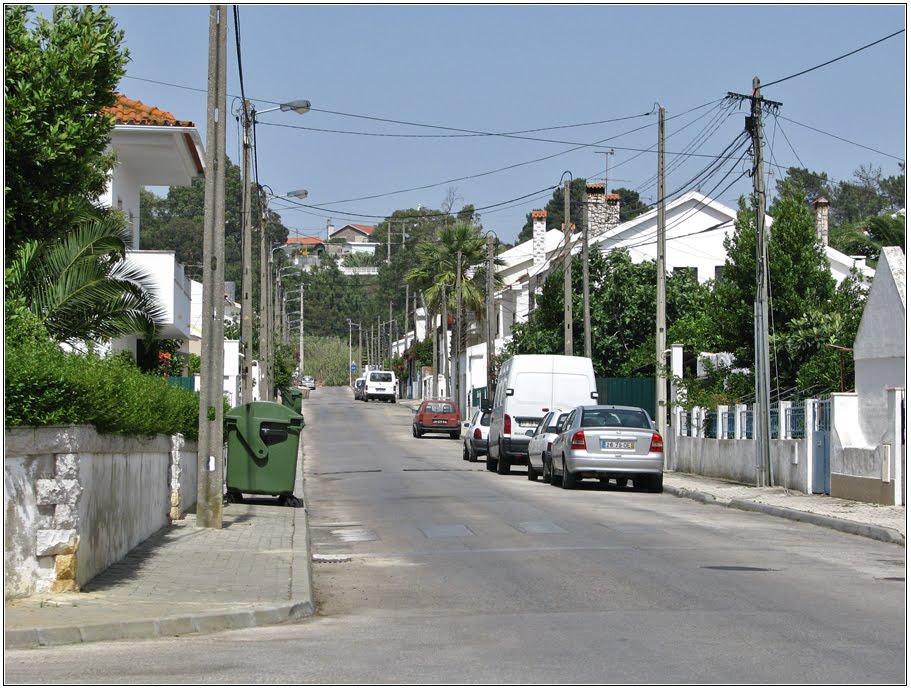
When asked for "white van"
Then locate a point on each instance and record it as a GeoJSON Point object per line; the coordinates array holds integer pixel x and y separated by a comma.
{"type": "Point", "coordinates": [380, 385]}
{"type": "Point", "coordinates": [528, 387]}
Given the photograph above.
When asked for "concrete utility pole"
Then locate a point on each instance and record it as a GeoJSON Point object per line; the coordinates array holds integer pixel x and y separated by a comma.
{"type": "Point", "coordinates": [586, 303]}
{"type": "Point", "coordinates": [246, 306]}
{"type": "Point", "coordinates": [300, 345]}
{"type": "Point", "coordinates": [567, 275]}
{"type": "Point", "coordinates": [456, 364]}
{"type": "Point", "coordinates": [264, 300]}
{"type": "Point", "coordinates": [491, 327]}
{"type": "Point", "coordinates": [761, 411]}
{"type": "Point", "coordinates": [210, 463]}
{"type": "Point", "coordinates": [661, 298]}
{"type": "Point", "coordinates": [445, 306]}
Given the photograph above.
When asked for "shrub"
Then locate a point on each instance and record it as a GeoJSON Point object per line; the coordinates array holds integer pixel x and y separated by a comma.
{"type": "Point", "coordinates": [46, 386]}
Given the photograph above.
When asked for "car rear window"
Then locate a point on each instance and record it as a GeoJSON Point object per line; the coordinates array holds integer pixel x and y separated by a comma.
{"type": "Point", "coordinates": [485, 419]}
{"type": "Point", "coordinates": [381, 377]}
{"type": "Point", "coordinates": [633, 419]}
{"type": "Point", "coordinates": [440, 408]}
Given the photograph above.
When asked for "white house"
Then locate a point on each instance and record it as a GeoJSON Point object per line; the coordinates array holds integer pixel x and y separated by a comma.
{"type": "Point", "coordinates": [868, 450]}
{"type": "Point", "coordinates": [153, 148]}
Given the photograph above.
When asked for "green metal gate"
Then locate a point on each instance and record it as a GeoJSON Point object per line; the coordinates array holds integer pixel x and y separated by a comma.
{"type": "Point", "coordinates": [637, 392]}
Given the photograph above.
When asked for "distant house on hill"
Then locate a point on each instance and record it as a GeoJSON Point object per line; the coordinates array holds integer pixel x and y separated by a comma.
{"type": "Point", "coordinates": [352, 233]}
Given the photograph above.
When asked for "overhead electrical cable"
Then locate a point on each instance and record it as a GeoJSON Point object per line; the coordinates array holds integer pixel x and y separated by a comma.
{"type": "Point", "coordinates": [841, 57]}
{"type": "Point", "coordinates": [835, 136]}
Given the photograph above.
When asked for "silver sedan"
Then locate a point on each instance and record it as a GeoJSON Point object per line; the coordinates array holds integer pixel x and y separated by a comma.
{"type": "Point", "coordinates": [608, 442]}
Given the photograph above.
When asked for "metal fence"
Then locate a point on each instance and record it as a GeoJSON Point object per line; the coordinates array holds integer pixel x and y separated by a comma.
{"type": "Point", "coordinates": [787, 420]}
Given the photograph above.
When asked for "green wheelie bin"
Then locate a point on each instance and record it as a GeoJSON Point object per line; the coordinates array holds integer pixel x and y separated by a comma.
{"type": "Point", "coordinates": [262, 440]}
{"type": "Point", "coordinates": [292, 398]}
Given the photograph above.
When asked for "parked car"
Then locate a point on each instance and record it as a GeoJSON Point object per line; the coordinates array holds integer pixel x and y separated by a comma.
{"type": "Point", "coordinates": [474, 440]}
{"type": "Point", "coordinates": [608, 442]}
{"type": "Point", "coordinates": [528, 387]}
{"type": "Point", "coordinates": [359, 389]}
{"type": "Point", "coordinates": [308, 382]}
{"type": "Point", "coordinates": [436, 417]}
{"type": "Point", "coordinates": [539, 462]}
{"type": "Point", "coordinates": [380, 385]}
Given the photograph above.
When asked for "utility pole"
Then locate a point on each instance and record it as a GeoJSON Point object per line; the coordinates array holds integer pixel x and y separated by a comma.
{"type": "Point", "coordinates": [300, 344]}
{"type": "Point", "coordinates": [761, 411]}
{"type": "Point", "coordinates": [264, 300]}
{"type": "Point", "coordinates": [246, 307]}
{"type": "Point", "coordinates": [491, 332]}
{"type": "Point", "coordinates": [456, 364]}
{"type": "Point", "coordinates": [661, 298]}
{"type": "Point", "coordinates": [210, 456]}
{"type": "Point", "coordinates": [567, 276]}
{"type": "Point", "coordinates": [445, 306]}
{"type": "Point", "coordinates": [586, 304]}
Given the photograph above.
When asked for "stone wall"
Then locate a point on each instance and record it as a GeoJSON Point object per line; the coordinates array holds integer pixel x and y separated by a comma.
{"type": "Point", "coordinates": [76, 501]}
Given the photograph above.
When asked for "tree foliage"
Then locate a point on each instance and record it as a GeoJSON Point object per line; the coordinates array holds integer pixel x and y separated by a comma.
{"type": "Point", "coordinates": [60, 74]}
{"type": "Point", "coordinates": [80, 286]}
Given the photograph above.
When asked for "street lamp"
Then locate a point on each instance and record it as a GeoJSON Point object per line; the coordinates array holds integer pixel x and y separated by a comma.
{"type": "Point", "coordinates": [265, 383]}
{"type": "Point", "coordinates": [350, 324]}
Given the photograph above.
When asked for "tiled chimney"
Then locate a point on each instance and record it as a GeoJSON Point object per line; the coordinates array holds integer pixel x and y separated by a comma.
{"type": "Point", "coordinates": [538, 230]}
{"type": "Point", "coordinates": [822, 219]}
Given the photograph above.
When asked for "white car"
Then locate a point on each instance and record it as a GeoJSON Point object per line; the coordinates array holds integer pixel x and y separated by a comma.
{"type": "Point", "coordinates": [539, 460]}
{"type": "Point", "coordinates": [474, 440]}
{"type": "Point", "coordinates": [380, 385]}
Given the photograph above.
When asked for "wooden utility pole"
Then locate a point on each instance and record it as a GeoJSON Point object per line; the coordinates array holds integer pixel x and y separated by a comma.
{"type": "Point", "coordinates": [567, 275]}
{"type": "Point", "coordinates": [761, 411]}
{"type": "Point", "coordinates": [661, 298]}
{"type": "Point", "coordinates": [491, 329]}
{"type": "Point", "coordinates": [210, 462]}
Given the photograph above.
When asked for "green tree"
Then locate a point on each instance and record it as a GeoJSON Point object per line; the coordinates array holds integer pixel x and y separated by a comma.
{"type": "Point", "coordinates": [80, 286]}
{"type": "Point", "coordinates": [622, 295]}
{"type": "Point", "coordinates": [555, 208]}
{"type": "Point", "coordinates": [631, 206]}
{"type": "Point", "coordinates": [60, 74]}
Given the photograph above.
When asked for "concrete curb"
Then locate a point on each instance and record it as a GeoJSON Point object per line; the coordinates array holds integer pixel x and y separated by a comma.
{"type": "Point", "coordinates": [840, 524]}
{"type": "Point", "coordinates": [173, 626]}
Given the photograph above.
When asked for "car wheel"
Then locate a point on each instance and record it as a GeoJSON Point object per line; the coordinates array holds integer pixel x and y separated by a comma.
{"type": "Point", "coordinates": [465, 455]}
{"type": "Point", "coordinates": [414, 431]}
{"type": "Point", "coordinates": [491, 463]}
{"type": "Point", "coordinates": [503, 466]}
{"type": "Point", "coordinates": [555, 479]}
{"type": "Point", "coordinates": [547, 474]}
{"type": "Point", "coordinates": [454, 434]}
{"type": "Point", "coordinates": [569, 479]}
{"type": "Point", "coordinates": [472, 456]}
{"type": "Point", "coordinates": [656, 484]}
{"type": "Point", "coordinates": [532, 474]}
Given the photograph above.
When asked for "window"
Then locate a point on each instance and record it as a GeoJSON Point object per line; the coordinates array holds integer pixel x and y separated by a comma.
{"type": "Point", "coordinates": [555, 427]}
{"type": "Point", "coordinates": [381, 377]}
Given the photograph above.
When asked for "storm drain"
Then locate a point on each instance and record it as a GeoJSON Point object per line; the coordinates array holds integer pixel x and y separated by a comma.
{"type": "Point", "coordinates": [354, 534]}
{"type": "Point", "coordinates": [330, 558]}
{"type": "Point", "coordinates": [439, 531]}
{"type": "Point", "coordinates": [540, 528]}
{"type": "Point", "coordinates": [738, 568]}
{"type": "Point", "coordinates": [893, 579]}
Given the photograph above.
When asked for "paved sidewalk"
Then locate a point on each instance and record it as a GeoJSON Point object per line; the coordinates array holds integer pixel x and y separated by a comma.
{"type": "Point", "coordinates": [256, 570]}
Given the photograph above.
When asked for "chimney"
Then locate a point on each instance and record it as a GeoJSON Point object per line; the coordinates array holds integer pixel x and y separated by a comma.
{"type": "Point", "coordinates": [538, 230]}
{"type": "Point", "coordinates": [597, 212]}
{"type": "Point", "coordinates": [822, 219]}
{"type": "Point", "coordinates": [612, 208]}
{"type": "Point", "coordinates": [329, 228]}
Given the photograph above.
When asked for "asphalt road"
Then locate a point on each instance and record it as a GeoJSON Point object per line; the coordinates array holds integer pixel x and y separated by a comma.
{"type": "Point", "coordinates": [431, 570]}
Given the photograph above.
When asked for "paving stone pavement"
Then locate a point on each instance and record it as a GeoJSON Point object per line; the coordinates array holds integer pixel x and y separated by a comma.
{"type": "Point", "coordinates": [256, 570]}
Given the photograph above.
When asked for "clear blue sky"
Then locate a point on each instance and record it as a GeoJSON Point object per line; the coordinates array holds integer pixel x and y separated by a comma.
{"type": "Point", "coordinates": [511, 68]}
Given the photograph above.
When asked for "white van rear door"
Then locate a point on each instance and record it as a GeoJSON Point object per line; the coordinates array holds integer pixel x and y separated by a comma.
{"type": "Point", "coordinates": [571, 390]}
{"type": "Point", "coordinates": [531, 399]}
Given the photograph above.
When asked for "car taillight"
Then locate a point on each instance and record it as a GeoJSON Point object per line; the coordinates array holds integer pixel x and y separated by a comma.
{"type": "Point", "coordinates": [657, 444]}
{"type": "Point", "coordinates": [477, 434]}
{"type": "Point", "coordinates": [507, 424]}
{"type": "Point", "coordinates": [550, 445]}
{"type": "Point", "coordinates": [578, 442]}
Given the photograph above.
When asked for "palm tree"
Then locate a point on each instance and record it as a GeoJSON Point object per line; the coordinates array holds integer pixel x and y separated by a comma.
{"type": "Point", "coordinates": [438, 266]}
{"type": "Point", "coordinates": [81, 287]}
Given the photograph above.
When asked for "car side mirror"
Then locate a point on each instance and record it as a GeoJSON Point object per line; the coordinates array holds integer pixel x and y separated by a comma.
{"type": "Point", "coordinates": [654, 425]}
{"type": "Point", "coordinates": [594, 395]}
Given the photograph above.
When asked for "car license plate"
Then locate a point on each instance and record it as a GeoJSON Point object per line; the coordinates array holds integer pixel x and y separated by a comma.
{"type": "Point", "coordinates": [439, 421]}
{"type": "Point", "coordinates": [616, 445]}
{"type": "Point", "coordinates": [380, 390]}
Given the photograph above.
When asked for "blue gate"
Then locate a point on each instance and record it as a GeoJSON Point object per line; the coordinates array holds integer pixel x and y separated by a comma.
{"type": "Point", "coordinates": [821, 440]}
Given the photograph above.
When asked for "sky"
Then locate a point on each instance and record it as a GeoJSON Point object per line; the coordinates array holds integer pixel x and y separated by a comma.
{"type": "Point", "coordinates": [407, 99]}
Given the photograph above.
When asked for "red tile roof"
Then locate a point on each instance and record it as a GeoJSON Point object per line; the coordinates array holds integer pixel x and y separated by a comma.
{"type": "Point", "coordinates": [129, 112]}
{"type": "Point", "coordinates": [366, 229]}
{"type": "Point", "coordinates": [304, 240]}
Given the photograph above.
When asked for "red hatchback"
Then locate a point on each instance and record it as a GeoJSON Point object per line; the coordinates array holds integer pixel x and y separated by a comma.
{"type": "Point", "coordinates": [437, 417]}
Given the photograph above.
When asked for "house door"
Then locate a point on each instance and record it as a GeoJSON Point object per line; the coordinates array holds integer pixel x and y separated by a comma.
{"type": "Point", "coordinates": [821, 441]}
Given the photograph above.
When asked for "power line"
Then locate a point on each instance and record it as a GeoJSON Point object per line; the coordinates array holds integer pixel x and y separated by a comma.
{"type": "Point", "coordinates": [841, 57]}
{"type": "Point", "coordinates": [835, 136]}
